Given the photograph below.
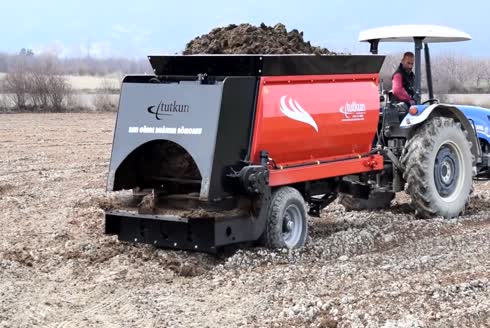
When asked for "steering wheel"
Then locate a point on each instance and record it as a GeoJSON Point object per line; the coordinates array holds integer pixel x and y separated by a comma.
{"type": "Point", "coordinates": [430, 101]}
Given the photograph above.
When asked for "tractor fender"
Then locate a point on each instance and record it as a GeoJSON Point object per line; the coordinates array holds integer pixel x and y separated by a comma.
{"type": "Point", "coordinates": [480, 119]}
{"type": "Point", "coordinates": [424, 112]}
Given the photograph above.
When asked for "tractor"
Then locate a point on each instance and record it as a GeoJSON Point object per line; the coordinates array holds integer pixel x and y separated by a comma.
{"type": "Point", "coordinates": [434, 149]}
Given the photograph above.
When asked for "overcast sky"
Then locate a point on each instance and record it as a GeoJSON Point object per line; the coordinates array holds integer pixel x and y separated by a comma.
{"type": "Point", "coordinates": [135, 29]}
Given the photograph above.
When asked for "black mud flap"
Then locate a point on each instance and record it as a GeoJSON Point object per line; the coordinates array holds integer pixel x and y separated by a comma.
{"type": "Point", "coordinates": [166, 231]}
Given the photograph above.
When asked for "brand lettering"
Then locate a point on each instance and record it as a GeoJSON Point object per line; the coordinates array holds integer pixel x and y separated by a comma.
{"type": "Point", "coordinates": [167, 109]}
{"type": "Point", "coordinates": [353, 111]}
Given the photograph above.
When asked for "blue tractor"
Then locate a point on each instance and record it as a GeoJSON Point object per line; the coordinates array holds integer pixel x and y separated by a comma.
{"type": "Point", "coordinates": [435, 150]}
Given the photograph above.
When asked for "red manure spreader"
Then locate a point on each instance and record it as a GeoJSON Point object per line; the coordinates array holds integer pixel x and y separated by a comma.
{"type": "Point", "coordinates": [226, 149]}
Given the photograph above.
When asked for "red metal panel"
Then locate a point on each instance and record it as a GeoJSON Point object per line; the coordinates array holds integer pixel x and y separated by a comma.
{"type": "Point", "coordinates": [322, 171]}
{"type": "Point", "coordinates": [305, 118]}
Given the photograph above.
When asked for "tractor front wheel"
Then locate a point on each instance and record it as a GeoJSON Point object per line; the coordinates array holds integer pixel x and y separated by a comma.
{"type": "Point", "coordinates": [438, 169]}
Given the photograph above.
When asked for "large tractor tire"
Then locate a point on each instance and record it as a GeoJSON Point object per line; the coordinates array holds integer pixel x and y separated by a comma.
{"type": "Point", "coordinates": [376, 201]}
{"type": "Point", "coordinates": [438, 169]}
{"type": "Point", "coordinates": [287, 220]}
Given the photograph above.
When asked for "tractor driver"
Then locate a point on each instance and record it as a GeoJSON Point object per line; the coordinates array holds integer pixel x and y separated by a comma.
{"type": "Point", "coordinates": [403, 81]}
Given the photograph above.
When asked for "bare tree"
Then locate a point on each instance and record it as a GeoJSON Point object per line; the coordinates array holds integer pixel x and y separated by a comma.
{"type": "Point", "coordinates": [17, 84]}
{"type": "Point", "coordinates": [453, 73]}
{"type": "Point", "coordinates": [105, 99]}
{"type": "Point", "coordinates": [37, 84]}
{"type": "Point", "coordinates": [39, 90]}
{"type": "Point", "coordinates": [50, 86]}
{"type": "Point", "coordinates": [59, 90]}
{"type": "Point", "coordinates": [4, 103]}
{"type": "Point", "coordinates": [481, 72]}
{"type": "Point", "coordinates": [4, 59]}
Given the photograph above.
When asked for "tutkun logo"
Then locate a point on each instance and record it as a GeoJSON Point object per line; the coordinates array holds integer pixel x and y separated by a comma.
{"type": "Point", "coordinates": [294, 111]}
{"type": "Point", "coordinates": [167, 109]}
{"type": "Point", "coordinates": [353, 111]}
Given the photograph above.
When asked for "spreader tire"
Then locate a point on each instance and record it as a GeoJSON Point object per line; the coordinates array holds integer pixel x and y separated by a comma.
{"type": "Point", "coordinates": [287, 220]}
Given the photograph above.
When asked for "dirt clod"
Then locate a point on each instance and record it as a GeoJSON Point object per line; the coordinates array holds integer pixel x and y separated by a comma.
{"type": "Point", "coordinates": [249, 39]}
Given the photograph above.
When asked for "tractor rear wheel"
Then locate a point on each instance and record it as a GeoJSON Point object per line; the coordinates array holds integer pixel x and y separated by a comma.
{"type": "Point", "coordinates": [438, 168]}
{"type": "Point", "coordinates": [376, 201]}
{"type": "Point", "coordinates": [287, 220]}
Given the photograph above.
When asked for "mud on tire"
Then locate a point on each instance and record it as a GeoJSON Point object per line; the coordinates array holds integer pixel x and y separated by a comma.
{"type": "Point", "coordinates": [438, 168]}
{"type": "Point", "coordinates": [287, 220]}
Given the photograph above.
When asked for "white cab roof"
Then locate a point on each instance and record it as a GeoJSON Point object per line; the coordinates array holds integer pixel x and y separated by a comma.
{"type": "Point", "coordinates": [406, 33]}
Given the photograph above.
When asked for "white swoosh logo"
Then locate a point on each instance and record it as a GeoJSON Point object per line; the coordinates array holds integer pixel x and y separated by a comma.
{"type": "Point", "coordinates": [296, 112]}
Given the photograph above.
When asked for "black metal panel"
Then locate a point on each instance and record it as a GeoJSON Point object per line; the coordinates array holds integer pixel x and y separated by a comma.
{"type": "Point", "coordinates": [238, 229]}
{"type": "Point", "coordinates": [321, 65]}
{"type": "Point", "coordinates": [234, 129]}
{"type": "Point", "coordinates": [162, 231]}
{"type": "Point", "coordinates": [418, 69]}
{"type": "Point", "coordinates": [267, 65]}
{"type": "Point", "coordinates": [428, 71]}
{"type": "Point", "coordinates": [154, 79]}
{"type": "Point", "coordinates": [359, 190]}
{"type": "Point", "coordinates": [215, 65]}
{"type": "Point", "coordinates": [202, 234]}
{"type": "Point", "coordinates": [374, 46]}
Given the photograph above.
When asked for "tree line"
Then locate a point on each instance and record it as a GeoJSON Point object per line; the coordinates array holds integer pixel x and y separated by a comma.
{"type": "Point", "coordinates": [79, 66]}
{"type": "Point", "coordinates": [38, 82]}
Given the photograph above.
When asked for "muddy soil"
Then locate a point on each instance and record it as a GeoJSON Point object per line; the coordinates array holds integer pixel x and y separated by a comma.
{"type": "Point", "coordinates": [359, 269]}
{"type": "Point", "coordinates": [250, 39]}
